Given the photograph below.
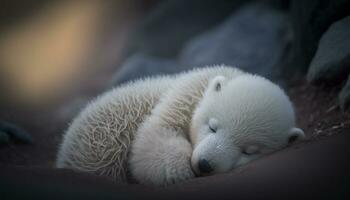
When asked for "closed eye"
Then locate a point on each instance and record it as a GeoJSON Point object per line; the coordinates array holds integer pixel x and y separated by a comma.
{"type": "Point", "coordinates": [213, 125]}
{"type": "Point", "coordinates": [246, 153]}
{"type": "Point", "coordinates": [212, 129]}
{"type": "Point", "coordinates": [250, 150]}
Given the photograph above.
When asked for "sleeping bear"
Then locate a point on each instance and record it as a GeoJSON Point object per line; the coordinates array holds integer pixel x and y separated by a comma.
{"type": "Point", "coordinates": [167, 129]}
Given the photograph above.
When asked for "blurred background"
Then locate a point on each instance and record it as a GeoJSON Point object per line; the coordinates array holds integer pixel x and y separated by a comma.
{"type": "Point", "coordinates": [56, 56]}
{"type": "Point", "coordinates": [49, 50]}
{"type": "Point", "coordinates": [53, 50]}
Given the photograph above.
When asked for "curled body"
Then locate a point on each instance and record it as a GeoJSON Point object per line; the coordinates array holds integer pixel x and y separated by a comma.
{"type": "Point", "coordinates": [167, 129]}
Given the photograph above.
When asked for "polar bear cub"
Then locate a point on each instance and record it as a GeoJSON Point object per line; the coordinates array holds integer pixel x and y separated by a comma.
{"type": "Point", "coordinates": [168, 129]}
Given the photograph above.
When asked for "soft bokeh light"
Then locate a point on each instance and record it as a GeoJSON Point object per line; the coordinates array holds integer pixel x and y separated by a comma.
{"type": "Point", "coordinates": [44, 55]}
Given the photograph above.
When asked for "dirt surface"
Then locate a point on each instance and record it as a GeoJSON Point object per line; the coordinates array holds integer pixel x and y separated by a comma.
{"type": "Point", "coordinates": [317, 110]}
{"type": "Point", "coordinates": [313, 170]}
{"type": "Point", "coordinates": [327, 128]}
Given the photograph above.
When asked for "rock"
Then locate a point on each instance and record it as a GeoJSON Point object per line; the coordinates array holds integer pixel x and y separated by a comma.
{"type": "Point", "coordinates": [310, 19]}
{"type": "Point", "coordinates": [255, 39]}
{"type": "Point", "coordinates": [10, 131]}
{"type": "Point", "coordinates": [278, 4]}
{"type": "Point", "coordinates": [344, 96]}
{"type": "Point", "coordinates": [171, 23]}
{"type": "Point", "coordinates": [331, 63]}
{"type": "Point", "coordinates": [140, 65]}
{"type": "Point", "coordinates": [4, 138]}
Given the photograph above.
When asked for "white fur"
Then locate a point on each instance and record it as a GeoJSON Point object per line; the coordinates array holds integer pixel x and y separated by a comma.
{"type": "Point", "coordinates": [157, 129]}
{"type": "Point", "coordinates": [258, 120]}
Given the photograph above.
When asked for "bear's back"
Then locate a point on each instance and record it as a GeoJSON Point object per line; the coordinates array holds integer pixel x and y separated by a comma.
{"type": "Point", "coordinates": [98, 139]}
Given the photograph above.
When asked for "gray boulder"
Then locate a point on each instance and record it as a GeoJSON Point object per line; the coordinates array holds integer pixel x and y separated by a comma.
{"type": "Point", "coordinates": [255, 39]}
{"type": "Point", "coordinates": [344, 96]}
{"type": "Point", "coordinates": [140, 65]}
{"type": "Point", "coordinates": [173, 22]}
{"type": "Point", "coordinates": [331, 63]}
{"type": "Point", "coordinates": [11, 132]}
{"type": "Point", "coordinates": [310, 19]}
{"type": "Point", "coordinates": [4, 137]}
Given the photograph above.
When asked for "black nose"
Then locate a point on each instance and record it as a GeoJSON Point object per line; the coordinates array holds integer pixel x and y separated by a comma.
{"type": "Point", "coordinates": [204, 166]}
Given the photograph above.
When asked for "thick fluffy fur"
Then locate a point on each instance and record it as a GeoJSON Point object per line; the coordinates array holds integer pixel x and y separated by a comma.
{"type": "Point", "coordinates": [99, 138]}
{"type": "Point", "coordinates": [149, 128]}
{"type": "Point", "coordinates": [252, 117]}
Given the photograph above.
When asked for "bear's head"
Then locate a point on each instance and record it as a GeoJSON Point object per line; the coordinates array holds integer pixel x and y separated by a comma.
{"type": "Point", "coordinates": [240, 120]}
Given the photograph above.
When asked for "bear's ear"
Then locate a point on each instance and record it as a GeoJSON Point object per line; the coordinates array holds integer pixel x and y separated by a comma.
{"type": "Point", "coordinates": [217, 83]}
{"type": "Point", "coordinates": [295, 134]}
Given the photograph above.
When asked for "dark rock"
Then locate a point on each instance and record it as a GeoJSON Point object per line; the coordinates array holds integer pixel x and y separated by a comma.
{"type": "Point", "coordinates": [164, 31]}
{"type": "Point", "coordinates": [255, 39]}
{"type": "Point", "coordinates": [331, 63]}
{"type": "Point", "coordinates": [344, 95]}
{"type": "Point", "coordinates": [4, 137]}
{"type": "Point", "coordinates": [140, 65]}
{"type": "Point", "coordinates": [12, 132]}
{"type": "Point", "coordinates": [278, 4]}
{"type": "Point", "coordinates": [310, 19]}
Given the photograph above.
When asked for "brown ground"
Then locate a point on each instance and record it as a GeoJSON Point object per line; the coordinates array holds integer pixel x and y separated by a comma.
{"type": "Point", "coordinates": [317, 110]}
{"type": "Point", "coordinates": [318, 115]}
